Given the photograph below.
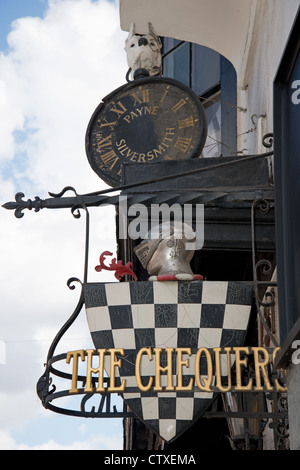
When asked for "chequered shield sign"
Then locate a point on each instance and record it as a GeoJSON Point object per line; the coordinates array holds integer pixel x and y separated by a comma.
{"type": "Point", "coordinates": [173, 314]}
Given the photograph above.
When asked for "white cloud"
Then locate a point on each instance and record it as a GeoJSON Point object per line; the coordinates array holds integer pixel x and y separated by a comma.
{"type": "Point", "coordinates": [56, 72]}
{"type": "Point", "coordinates": [94, 442]}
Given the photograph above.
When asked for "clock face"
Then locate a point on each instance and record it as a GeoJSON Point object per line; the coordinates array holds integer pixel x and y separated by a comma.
{"type": "Point", "coordinates": [145, 121]}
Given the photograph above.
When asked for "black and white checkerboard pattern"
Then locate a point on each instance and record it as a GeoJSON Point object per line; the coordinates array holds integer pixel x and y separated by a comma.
{"type": "Point", "coordinates": [174, 314]}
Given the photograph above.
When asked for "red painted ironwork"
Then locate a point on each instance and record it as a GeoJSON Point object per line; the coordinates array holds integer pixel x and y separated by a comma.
{"type": "Point", "coordinates": [117, 266]}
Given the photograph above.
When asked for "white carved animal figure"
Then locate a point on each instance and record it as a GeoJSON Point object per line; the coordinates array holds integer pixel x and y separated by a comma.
{"type": "Point", "coordinates": [144, 51]}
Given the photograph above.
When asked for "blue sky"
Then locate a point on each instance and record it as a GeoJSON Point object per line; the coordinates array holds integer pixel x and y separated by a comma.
{"type": "Point", "coordinates": [52, 57]}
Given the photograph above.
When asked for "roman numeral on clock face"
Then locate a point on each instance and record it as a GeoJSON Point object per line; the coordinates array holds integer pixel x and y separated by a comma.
{"type": "Point", "coordinates": [118, 108]}
{"type": "Point", "coordinates": [165, 94]}
{"type": "Point", "coordinates": [141, 96]}
{"type": "Point", "coordinates": [106, 142]}
{"type": "Point", "coordinates": [179, 104]}
{"type": "Point", "coordinates": [187, 122]}
{"type": "Point", "coordinates": [104, 123]}
{"type": "Point", "coordinates": [183, 143]}
{"type": "Point", "coordinates": [110, 159]}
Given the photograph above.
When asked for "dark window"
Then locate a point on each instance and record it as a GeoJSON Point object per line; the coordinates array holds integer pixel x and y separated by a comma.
{"type": "Point", "coordinates": [205, 71]}
{"type": "Point", "coordinates": [287, 187]}
{"type": "Point", "coordinates": [213, 79]}
{"type": "Point", "coordinates": [177, 64]}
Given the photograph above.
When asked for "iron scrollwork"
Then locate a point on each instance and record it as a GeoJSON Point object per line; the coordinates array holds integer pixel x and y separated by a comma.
{"type": "Point", "coordinates": [280, 425]}
{"type": "Point", "coordinates": [264, 207]}
{"type": "Point", "coordinates": [19, 205]}
{"type": "Point", "coordinates": [267, 140]}
{"type": "Point", "coordinates": [46, 394]}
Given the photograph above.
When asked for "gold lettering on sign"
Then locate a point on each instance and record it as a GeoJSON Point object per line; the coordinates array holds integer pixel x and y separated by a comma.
{"type": "Point", "coordinates": [113, 365]}
{"type": "Point", "coordinates": [180, 387]}
{"type": "Point", "coordinates": [75, 356]}
{"type": "Point", "coordinates": [159, 369]}
{"type": "Point", "coordinates": [169, 131]}
{"type": "Point", "coordinates": [98, 370]}
{"type": "Point", "coordinates": [136, 157]}
{"type": "Point", "coordinates": [238, 363]}
{"type": "Point", "coordinates": [143, 388]}
{"type": "Point", "coordinates": [161, 379]}
{"type": "Point", "coordinates": [203, 383]}
{"type": "Point", "coordinates": [142, 111]}
{"type": "Point", "coordinates": [219, 385]}
{"type": "Point", "coordinates": [260, 368]}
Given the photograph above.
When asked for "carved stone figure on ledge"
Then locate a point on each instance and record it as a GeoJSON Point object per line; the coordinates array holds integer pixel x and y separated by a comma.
{"type": "Point", "coordinates": [167, 251]}
{"type": "Point", "coordinates": [143, 51]}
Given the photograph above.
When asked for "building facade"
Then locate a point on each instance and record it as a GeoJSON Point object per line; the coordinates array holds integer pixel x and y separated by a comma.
{"type": "Point", "coordinates": [241, 57]}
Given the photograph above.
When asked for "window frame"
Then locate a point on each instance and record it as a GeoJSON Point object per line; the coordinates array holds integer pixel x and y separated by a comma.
{"type": "Point", "coordinates": [227, 86]}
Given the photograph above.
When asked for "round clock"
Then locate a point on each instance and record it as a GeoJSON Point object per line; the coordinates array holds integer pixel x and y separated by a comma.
{"type": "Point", "coordinates": [147, 120]}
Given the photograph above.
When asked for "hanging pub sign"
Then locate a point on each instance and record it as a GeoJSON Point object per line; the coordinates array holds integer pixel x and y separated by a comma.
{"type": "Point", "coordinates": [169, 345]}
{"type": "Point", "coordinates": [149, 120]}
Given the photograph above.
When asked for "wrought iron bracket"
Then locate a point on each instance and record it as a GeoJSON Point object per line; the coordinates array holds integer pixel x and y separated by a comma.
{"type": "Point", "coordinates": [98, 198]}
{"type": "Point", "coordinates": [47, 396]}
{"type": "Point", "coordinates": [46, 388]}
